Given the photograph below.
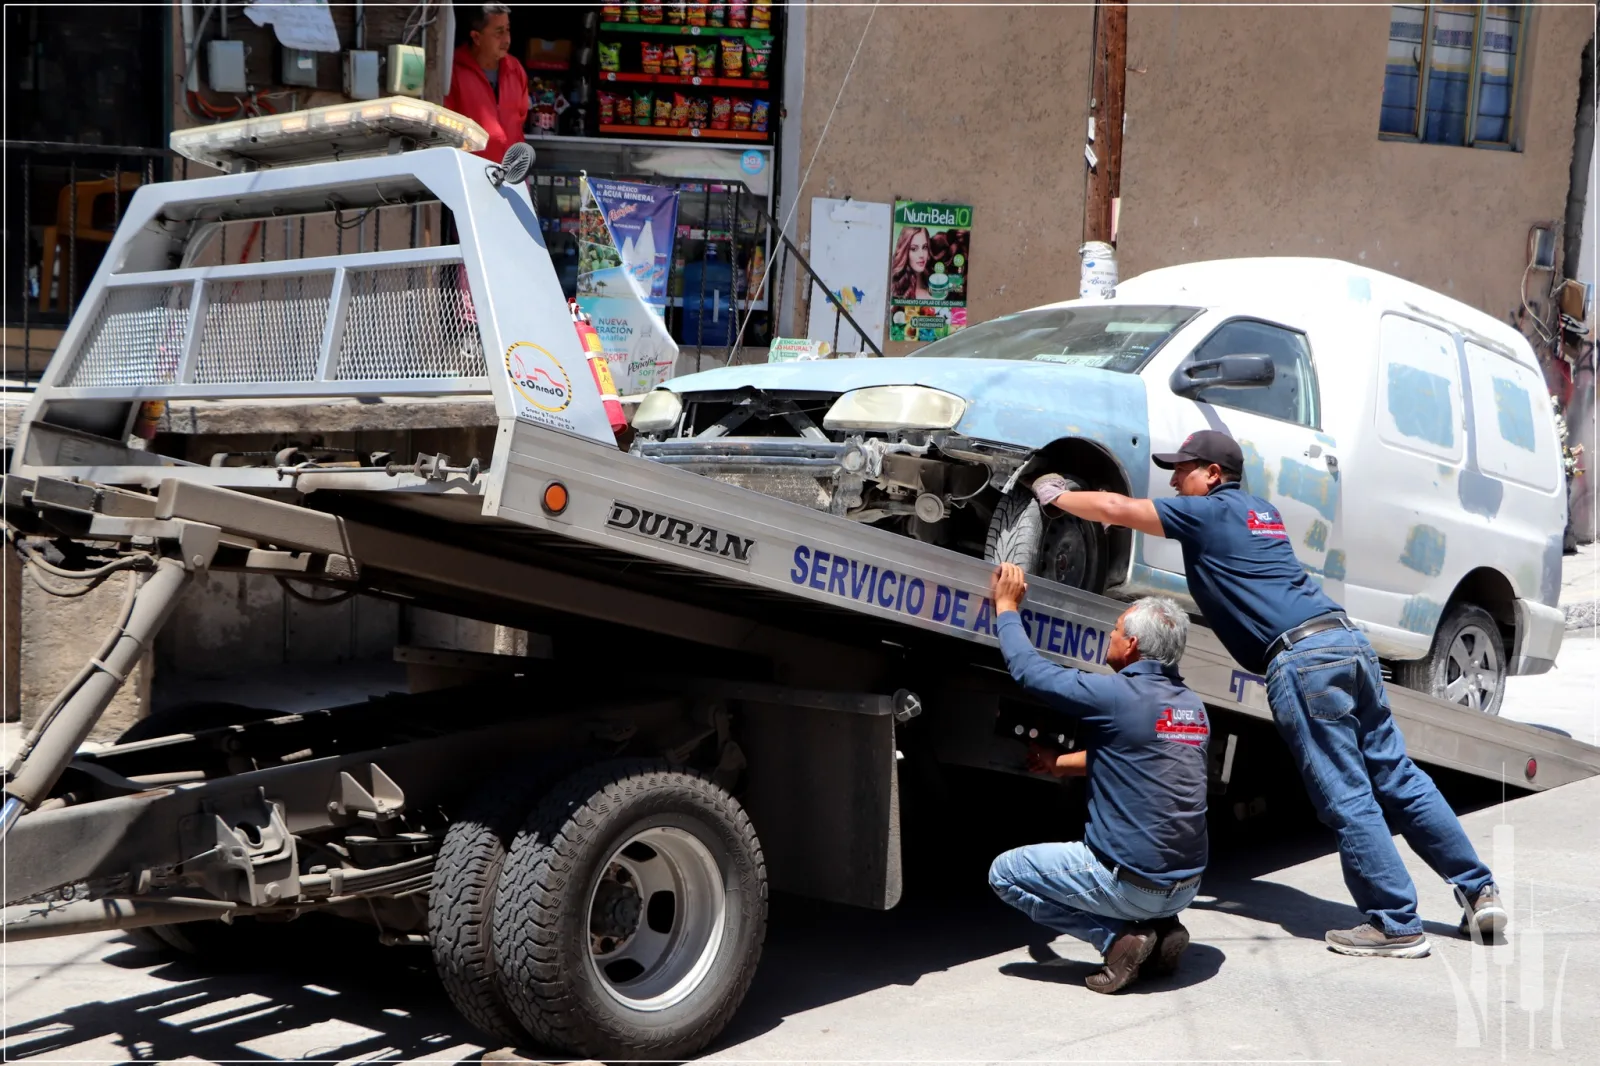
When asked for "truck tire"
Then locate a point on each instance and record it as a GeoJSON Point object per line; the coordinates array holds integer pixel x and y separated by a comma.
{"type": "Point", "coordinates": [1061, 548]}
{"type": "Point", "coordinates": [631, 913]}
{"type": "Point", "coordinates": [1467, 663]}
{"type": "Point", "coordinates": [461, 900]}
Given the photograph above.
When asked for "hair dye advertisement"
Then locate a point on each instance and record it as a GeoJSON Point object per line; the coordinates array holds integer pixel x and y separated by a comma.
{"type": "Point", "coordinates": [928, 270]}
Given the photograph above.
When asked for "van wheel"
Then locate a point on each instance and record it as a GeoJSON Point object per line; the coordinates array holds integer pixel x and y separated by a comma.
{"type": "Point", "coordinates": [1467, 663]}
{"type": "Point", "coordinates": [631, 913]}
{"type": "Point", "coordinates": [1059, 548]}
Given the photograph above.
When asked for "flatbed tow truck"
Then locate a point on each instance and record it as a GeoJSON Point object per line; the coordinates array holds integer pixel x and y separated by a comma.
{"type": "Point", "coordinates": [737, 683]}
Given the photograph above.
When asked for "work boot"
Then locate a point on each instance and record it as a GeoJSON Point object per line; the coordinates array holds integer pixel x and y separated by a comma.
{"type": "Point", "coordinates": [1368, 940]}
{"type": "Point", "coordinates": [1485, 914]}
{"type": "Point", "coordinates": [1172, 940]}
{"type": "Point", "coordinates": [1123, 959]}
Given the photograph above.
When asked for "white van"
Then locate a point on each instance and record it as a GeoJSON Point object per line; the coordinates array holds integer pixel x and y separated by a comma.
{"type": "Point", "coordinates": [1407, 439]}
{"type": "Point", "coordinates": [1409, 442]}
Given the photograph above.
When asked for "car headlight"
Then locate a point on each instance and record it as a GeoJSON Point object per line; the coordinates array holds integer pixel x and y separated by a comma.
{"type": "Point", "coordinates": [658, 412]}
{"type": "Point", "coordinates": [889, 407]}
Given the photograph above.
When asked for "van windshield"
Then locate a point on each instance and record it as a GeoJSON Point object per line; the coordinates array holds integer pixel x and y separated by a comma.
{"type": "Point", "coordinates": [1118, 337]}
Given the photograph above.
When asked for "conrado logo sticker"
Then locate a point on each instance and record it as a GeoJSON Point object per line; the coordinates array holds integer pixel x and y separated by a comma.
{"type": "Point", "coordinates": [538, 376]}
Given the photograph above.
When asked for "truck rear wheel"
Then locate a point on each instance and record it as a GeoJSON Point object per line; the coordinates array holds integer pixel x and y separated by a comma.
{"type": "Point", "coordinates": [1057, 547]}
{"type": "Point", "coordinates": [631, 913]}
{"type": "Point", "coordinates": [461, 899]}
{"type": "Point", "coordinates": [1467, 663]}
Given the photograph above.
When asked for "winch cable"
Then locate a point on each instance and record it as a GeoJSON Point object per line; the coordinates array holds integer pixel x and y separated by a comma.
{"type": "Point", "coordinates": [783, 227]}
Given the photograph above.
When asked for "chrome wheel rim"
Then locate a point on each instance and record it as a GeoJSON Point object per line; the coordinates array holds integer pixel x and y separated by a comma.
{"type": "Point", "coordinates": [657, 914]}
{"type": "Point", "coordinates": [1472, 670]}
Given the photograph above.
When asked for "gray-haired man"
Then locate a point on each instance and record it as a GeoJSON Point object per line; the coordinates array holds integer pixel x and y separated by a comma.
{"type": "Point", "coordinates": [1144, 847]}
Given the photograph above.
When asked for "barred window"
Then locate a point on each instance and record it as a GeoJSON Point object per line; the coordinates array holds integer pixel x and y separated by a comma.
{"type": "Point", "coordinates": [1451, 74]}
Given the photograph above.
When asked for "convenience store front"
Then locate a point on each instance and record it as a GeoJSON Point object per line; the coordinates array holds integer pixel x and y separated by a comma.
{"type": "Point", "coordinates": [679, 95]}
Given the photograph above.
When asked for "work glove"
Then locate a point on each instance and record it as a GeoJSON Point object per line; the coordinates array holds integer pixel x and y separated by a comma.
{"type": "Point", "coordinates": [1047, 488]}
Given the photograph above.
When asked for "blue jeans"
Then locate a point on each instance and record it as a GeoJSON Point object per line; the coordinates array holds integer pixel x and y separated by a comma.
{"type": "Point", "coordinates": [1065, 888]}
{"type": "Point", "coordinates": [1328, 702]}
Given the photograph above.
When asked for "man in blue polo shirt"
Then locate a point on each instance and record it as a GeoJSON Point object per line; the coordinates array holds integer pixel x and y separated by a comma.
{"type": "Point", "coordinates": [1144, 848]}
{"type": "Point", "coordinates": [1324, 685]}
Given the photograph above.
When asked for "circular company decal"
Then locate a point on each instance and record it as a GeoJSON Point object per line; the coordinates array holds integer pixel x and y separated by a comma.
{"type": "Point", "coordinates": [752, 162]}
{"type": "Point", "coordinates": [538, 376]}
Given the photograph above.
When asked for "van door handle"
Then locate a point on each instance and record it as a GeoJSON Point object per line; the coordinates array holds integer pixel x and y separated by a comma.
{"type": "Point", "coordinates": [1313, 451]}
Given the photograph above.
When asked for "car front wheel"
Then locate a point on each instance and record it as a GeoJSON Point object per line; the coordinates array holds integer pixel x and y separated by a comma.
{"type": "Point", "coordinates": [1054, 546]}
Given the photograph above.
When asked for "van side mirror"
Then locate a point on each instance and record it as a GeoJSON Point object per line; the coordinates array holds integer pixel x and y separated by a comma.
{"type": "Point", "coordinates": [1228, 372]}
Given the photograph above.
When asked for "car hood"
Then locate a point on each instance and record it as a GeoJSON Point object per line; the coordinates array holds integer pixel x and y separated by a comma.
{"type": "Point", "coordinates": [1008, 401]}
{"type": "Point", "coordinates": [971, 379]}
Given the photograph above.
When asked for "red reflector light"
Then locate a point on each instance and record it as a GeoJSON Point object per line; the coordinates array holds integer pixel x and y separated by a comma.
{"type": "Point", "coordinates": [1532, 768]}
{"type": "Point", "coordinates": [555, 498]}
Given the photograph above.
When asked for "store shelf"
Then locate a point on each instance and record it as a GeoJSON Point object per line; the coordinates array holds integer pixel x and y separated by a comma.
{"type": "Point", "coordinates": [697, 134]}
{"type": "Point", "coordinates": [684, 31]}
{"type": "Point", "coordinates": [677, 79]}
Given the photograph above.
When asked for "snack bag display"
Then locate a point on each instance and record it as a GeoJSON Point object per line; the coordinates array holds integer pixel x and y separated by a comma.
{"type": "Point", "coordinates": [757, 54]}
{"type": "Point", "coordinates": [684, 53]}
{"type": "Point", "coordinates": [721, 112]}
{"type": "Point", "coordinates": [630, 11]}
{"type": "Point", "coordinates": [624, 108]}
{"type": "Point", "coordinates": [610, 56]}
{"type": "Point", "coordinates": [695, 14]}
{"type": "Point", "coordinates": [669, 59]}
{"type": "Point", "coordinates": [651, 14]}
{"type": "Point", "coordinates": [719, 15]}
{"type": "Point", "coordinates": [680, 110]}
{"type": "Point", "coordinates": [608, 109]}
{"type": "Point", "coordinates": [663, 111]}
{"type": "Point", "coordinates": [675, 12]}
{"type": "Point", "coordinates": [732, 57]}
{"type": "Point", "coordinates": [610, 12]}
{"type": "Point", "coordinates": [739, 13]}
{"type": "Point", "coordinates": [759, 112]}
{"type": "Point", "coordinates": [699, 112]}
{"type": "Point", "coordinates": [741, 114]}
{"type": "Point", "coordinates": [760, 16]}
{"type": "Point", "coordinates": [643, 102]}
{"type": "Point", "coordinates": [706, 56]}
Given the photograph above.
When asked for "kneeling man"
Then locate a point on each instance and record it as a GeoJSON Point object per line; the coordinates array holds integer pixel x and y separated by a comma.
{"type": "Point", "coordinates": [1144, 848]}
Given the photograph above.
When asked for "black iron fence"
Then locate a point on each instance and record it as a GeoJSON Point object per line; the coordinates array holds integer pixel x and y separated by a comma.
{"type": "Point", "coordinates": [63, 202]}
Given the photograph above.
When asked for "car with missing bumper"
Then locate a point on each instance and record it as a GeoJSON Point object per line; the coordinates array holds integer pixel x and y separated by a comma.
{"type": "Point", "coordinates": [1403, 435]}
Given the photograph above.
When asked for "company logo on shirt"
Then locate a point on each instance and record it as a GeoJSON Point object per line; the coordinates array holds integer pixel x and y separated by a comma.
{"type": "Point", "coordinates": [1184, 726]}
{"type": "Point", "coordinates": [1265, 524]}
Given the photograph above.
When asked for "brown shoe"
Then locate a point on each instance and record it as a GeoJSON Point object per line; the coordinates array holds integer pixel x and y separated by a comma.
{"type": "Point", "coordinates": [1484, 916]}
{"type": "Point", "coordinates": [1127, 953]}
{"type": "Point", "coordinates": [1367, 940]}
{"type": "Point", "coordinates": [1172, 940]}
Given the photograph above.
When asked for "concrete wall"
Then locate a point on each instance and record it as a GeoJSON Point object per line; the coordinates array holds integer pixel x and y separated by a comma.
{"type": "Point", "coordinates": [1254, 131]}
{"type": "Point", "coordinates": [59, 635]}
{"type": "Point", "coordinates": [983, 106]}
{"type": "Point", "coordinates": [1250, 131]}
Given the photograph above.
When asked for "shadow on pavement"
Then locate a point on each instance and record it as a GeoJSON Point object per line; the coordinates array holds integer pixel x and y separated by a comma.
{"type": "Point", "coordinates": [1200, 963]}
{"type": "Point", "coordinates": [1297, 913]}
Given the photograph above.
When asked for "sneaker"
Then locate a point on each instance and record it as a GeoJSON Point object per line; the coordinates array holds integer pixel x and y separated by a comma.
{"type": "Point", "coordinates": [1485, 914]}
{"type": "Point", "coordinates": [1366, 940]}
{"type": "Point", "coordinates": [1172, 940]}
{"type": "Point", "coordinates": [1127, 953]}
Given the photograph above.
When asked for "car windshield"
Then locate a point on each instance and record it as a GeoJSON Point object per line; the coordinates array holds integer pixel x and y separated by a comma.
{"type": "Point", "coordinates": [1117, 337]}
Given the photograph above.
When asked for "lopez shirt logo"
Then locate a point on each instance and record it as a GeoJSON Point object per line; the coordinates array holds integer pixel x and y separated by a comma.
{"type": "Point", "coordinates": [1265, 524]}
{"type": "Point", "coordinates": [1184, 726]}
{"type": "Point", "coordinates": [680, 531]}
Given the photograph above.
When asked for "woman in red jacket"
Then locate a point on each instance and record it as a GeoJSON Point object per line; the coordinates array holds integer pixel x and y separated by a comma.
{"type": "Point", "coordinates": [487, 84]}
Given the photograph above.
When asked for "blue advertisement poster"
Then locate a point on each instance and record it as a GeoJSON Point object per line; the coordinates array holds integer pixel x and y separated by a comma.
{"type": "Point", "coordinates": [643, 220]}
{"type": "Point", "coordinates": [615, 287]}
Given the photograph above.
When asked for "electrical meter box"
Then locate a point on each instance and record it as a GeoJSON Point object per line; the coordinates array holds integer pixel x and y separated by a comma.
{"type": "Point", "coordinates": [407, 63]}
{"type": "Point", "coordinates": [361, 75]}
{"type": "Point", "coordinates": [299, 67]}
{"type": "Point", "coordinates": [225, 67]}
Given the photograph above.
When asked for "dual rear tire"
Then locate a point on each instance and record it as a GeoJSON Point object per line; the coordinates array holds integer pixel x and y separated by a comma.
{"type": "Point", "coordinates": [619, 914]}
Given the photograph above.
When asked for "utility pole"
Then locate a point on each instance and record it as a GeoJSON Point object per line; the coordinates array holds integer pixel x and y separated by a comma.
{"type": "Point", "coordinates": [1108, 86]}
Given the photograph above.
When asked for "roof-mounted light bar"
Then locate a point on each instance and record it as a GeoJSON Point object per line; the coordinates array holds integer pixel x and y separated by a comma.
{"type": "Point", "coordinates": [339, 131]}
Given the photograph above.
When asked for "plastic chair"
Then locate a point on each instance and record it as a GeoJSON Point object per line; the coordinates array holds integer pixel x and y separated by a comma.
{"type": "Point", "coordinates": [86, 192]}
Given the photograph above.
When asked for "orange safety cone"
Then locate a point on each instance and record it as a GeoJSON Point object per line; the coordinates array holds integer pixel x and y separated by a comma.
{"type": "Point", "coordinates": [601, 370]}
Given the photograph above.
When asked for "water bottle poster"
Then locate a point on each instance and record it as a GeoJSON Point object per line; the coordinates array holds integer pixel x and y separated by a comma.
{"type": "Point", "coordinates": [643, 220]}
{"type": "Point", "coordinates": [928, 270]}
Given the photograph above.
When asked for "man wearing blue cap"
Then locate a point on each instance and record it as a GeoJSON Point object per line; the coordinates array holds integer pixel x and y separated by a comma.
{"type": "Point", "coordinates": [1324, 685]}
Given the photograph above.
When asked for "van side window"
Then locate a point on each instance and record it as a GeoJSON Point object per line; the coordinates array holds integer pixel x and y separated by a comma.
{"type": "Point", "coordinates": [1292, 396]}
{"type": "Point", "coordinates": [1419, 401]}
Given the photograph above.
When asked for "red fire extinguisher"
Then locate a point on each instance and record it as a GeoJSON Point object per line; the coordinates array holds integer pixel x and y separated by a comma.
{"type": "Point", "coordinates": [590, 339]}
